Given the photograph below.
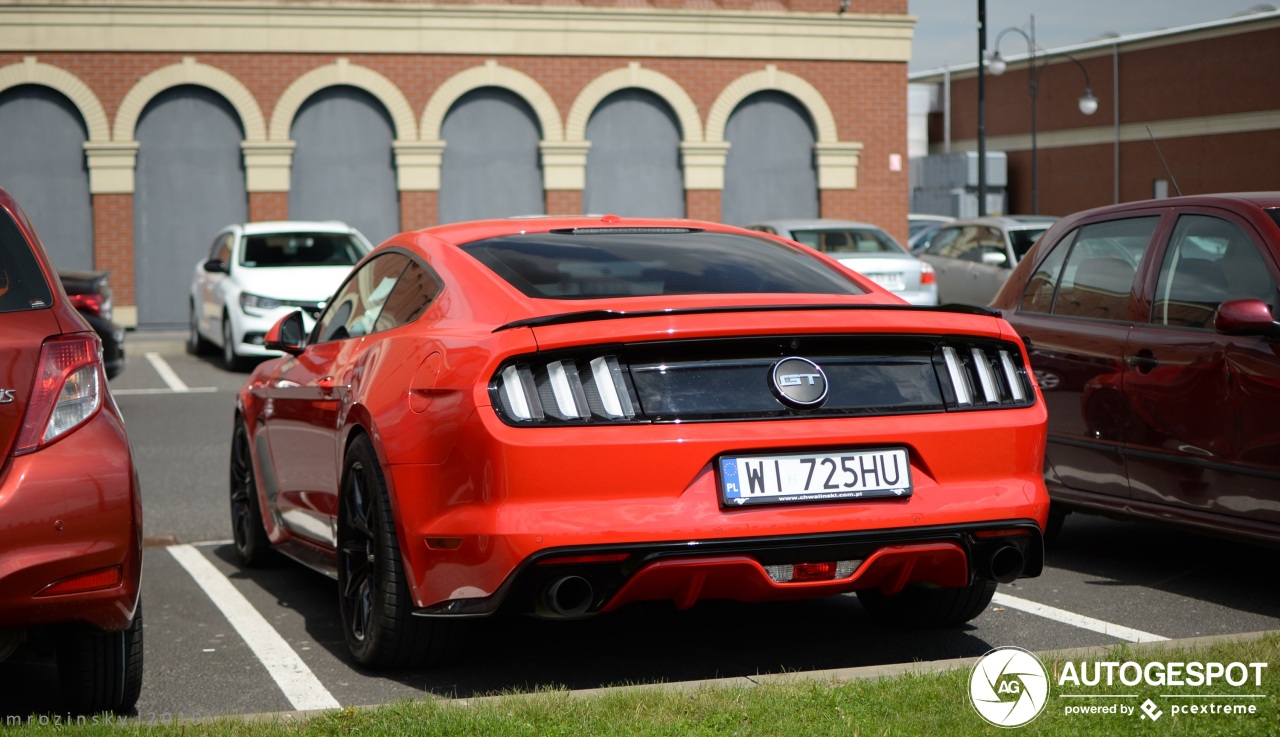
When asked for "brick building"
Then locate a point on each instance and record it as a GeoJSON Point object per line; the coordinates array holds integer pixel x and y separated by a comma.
{"type": "Point", "coordinates": [1205, 92]}
{"type": "Point", "coordinates": [134, 130]}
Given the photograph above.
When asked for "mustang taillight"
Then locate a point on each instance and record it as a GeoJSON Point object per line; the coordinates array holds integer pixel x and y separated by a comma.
{"type": "Point", "coordinates": [563, 391]}
{"type": "Point", "coordinates": [804, 572]}
{"type": "Point", "coordinates": [983, 376]}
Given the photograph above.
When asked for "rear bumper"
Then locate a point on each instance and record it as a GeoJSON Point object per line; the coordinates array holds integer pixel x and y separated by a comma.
{"type": "Point", "coordinates": [68, 510]}
{"type": "Point", "coordinates": [685, 572]}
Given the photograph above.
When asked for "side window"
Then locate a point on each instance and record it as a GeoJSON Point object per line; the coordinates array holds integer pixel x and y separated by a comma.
{"type": "Point", "coordinates": [221, 248]}
{"type": "Point", "coordinates": [1209, 261]}
{"type": "Point", "coordinates": [354, 310]}
{"type": "Point", "coordinates": [954, 242]}
{"type": "Point", "coordinates": [414, 292]}
{"type": "Point", "coordinates": [1099, 271]}
{"type": "Point", "coordinates": [1038, 296]}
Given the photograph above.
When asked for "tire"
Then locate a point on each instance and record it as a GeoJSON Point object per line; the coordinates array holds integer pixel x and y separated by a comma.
{"type": "Point", "coordinates": [1054, 527]}
{"type": "Point", "coordinates": [253, 548]}
{"type": "Point", "coordinates": [101, 671]}
{"type": "Point", "coordinates": [373, 596]}
{"type": "Point", "coordinates": [230, 359]}
{"type": "Point", "coordinates": [197, 345]}
{"type": "Point", "coordinates": [919, 607]}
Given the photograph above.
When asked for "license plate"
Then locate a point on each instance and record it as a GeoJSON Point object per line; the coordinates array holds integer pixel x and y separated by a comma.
{"type": "Point", "coordinates": [892, 282]}
{"type": "Point", "coordinates": [812, 477]}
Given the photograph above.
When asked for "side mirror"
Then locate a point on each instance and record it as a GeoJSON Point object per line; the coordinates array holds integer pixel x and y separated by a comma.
{"type": "Point", "coordinates": [1246, 317]}
{"type": "Point", "coordinates": [287, 335]}
{"type": "Point", "coordinates": [994, 258]}
{"type": "Point", "coordinates": [214, 266]}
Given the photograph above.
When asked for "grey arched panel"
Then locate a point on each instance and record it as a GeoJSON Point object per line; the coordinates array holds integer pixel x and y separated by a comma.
{"type": "Point", "coordinates": [343, 163]}
{"type": "Point", "coordinates": [770, 170]}
{"type": "Point", "coordinates": [189, 183]}
{"type": "Point", "coordinates": [633, 165]}
{"type": "Point", "coordinates": [42, 164]}
{"type": "Point", "coordinates": [491, 166]}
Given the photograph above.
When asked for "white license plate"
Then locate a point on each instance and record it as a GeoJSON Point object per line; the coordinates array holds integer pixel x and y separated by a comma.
{"type": "Point", "coordinates": [811, 477]}
{"type": "Point", "coordinates": [892, 282]}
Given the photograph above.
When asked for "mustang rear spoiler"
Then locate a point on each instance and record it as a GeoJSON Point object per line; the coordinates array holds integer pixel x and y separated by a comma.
{"type": "Point", "coordinates": [565, 318]}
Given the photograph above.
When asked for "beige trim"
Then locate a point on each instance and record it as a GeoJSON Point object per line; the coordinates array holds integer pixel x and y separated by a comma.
{"type": "Point", "coordinates": [633, 76]}
{"type": "Point", "coordinates": [418, 165]}
{"type": "Point", "coordinates": [837, 164]}
{"type": "Point", "coordinates": [267, 165]}
{"type": "Point", "coordinates": [564, 164]}
{"type": "Point", "coordinates": [1215, 125]}
{"type": "Point", "coordinates": [189, 71]}
{"type": "Point", "coordinates": [342, 72]}
{"type": "Point", "coordinates": [553, 29]}
{"type": "Point", "coordinates": [32, 71]}
{"type": "Point", "coordinates": [704, 164]}
{"type": "Point", "coordinates": [111, 166]}
{"type": "Point", "coordinates": [770, 78]}
{"type": "Point", "coordinates": [491, 74]}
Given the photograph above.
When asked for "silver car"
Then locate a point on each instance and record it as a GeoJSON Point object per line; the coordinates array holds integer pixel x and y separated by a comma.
{"type": "Point", "coordinates": [973, 258]}
{"type": "Point", "coordinates": [867, 250]}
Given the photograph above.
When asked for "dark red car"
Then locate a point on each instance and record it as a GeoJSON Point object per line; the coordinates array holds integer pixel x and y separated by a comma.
{"type": "Point", "coordinates": [70, 512]}
{"type": "Point", "coordinates": [1151, 329]}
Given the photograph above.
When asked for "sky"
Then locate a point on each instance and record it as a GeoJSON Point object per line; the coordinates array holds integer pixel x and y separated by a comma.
{"type": "Point", "coordinates": [946, 32]}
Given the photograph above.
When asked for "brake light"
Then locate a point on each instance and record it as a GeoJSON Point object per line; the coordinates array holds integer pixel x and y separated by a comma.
{"type": "Point", "coordinates": [67, 390]}
{"type": "Point", "coordinates": [94, 304]}
{"type": "Point", "coordinates": [926, 273]}
{"type": "Point", "coordinates": [105, 578]}
{"type": "Point", "coordinates": [802, 572]}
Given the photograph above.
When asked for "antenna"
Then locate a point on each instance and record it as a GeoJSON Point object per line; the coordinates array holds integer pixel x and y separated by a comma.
{"type": "Point", "coordinates": [1162, 161]}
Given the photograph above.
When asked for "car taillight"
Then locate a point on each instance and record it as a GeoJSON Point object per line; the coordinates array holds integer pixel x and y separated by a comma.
{"type": "Point", "coordinates": [567, 390]}
{"type": "Point", "coordinates": [67, 390]}
{"type": "Point", "coordinates": [926, 273]}
{"type": "Point", "coordinates": [984, 376]}
{"type": "Point", "coordinates": [94, 304]}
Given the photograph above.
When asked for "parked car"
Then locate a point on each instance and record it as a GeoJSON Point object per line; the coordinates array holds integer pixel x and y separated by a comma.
{"type": "Point", "coordinates": [256, 272]}
{"type": "Point", "coordinates": [90, 293]}
{"type": "Point", "coordinates": [921, 236]}
{"type": "Point", "coordinates": [71, 556]}
{"type": "Point", "coordinates": [563, 416]}
{"type": "Point", "coordinates": [867, 250]}
{"type": "Point", "coordinates": [1151, 327]}
{"type": "Point", "coordinates": [973, 258]}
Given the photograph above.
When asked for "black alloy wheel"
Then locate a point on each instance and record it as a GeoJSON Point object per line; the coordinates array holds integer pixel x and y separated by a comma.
{"type": "Point", "coordinates": [196, 343]}
{"type": "Point", "coordinates": [253, 548]}
{"type": "Point", "coordinates": [373, 595]}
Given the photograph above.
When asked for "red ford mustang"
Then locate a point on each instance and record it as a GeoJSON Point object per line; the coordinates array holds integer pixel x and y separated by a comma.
{"type": "Point", "coordinates": [70, 510]}
{"type": "Point", "coordinates": [563, 416]}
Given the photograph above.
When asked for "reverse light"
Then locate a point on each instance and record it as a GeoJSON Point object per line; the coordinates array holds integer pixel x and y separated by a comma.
{"type": "Point", "coordinates": [67, 390]}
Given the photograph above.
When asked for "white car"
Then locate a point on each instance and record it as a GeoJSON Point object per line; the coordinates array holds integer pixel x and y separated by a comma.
{"type": "Point", "coordinates": [867, 250]}
{"type": "Point", "coordinates": [258, 272]}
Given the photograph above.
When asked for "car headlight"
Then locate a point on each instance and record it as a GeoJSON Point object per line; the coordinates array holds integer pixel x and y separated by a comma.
{"type": "Point", "coordinates": [255, 302]}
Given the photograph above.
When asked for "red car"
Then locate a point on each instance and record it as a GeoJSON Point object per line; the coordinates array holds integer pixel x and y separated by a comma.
{"type": "Point", "coordinates": [564, 416]}
{"type": "Point", "coordinates": [1151, 327]}
{"type": "Point", "coordinates": [70, 511]}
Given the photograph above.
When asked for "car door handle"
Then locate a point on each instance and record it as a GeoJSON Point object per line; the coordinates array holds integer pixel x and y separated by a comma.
{"type": "Point", "coordinates": [1144, 362]}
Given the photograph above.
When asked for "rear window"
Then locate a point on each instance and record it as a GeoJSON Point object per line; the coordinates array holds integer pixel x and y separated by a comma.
{"type": "Point", "coordinates": [603, 264]}
{"type": "Point", "coordinates": [846, 241]}
{"type": "Point", "coordinates": [300, 249]}
{"type": "Point", "coordinates": [22, 283]}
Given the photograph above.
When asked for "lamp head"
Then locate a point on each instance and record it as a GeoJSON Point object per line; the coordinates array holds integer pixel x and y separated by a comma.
{"type": "Point", "coordinates": [1088, 103]}
{"type": "Point", "coordinates": [996, 64]}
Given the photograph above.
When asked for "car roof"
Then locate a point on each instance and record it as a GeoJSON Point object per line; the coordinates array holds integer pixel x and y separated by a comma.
{"type": "Point", "coordinates": [814, 224]}
{"type": "Point", "coordinates": [293, 226]}
{"type": "Point", "coordinates": [1008, 222]}
{"type": "Point", "coordinates": [1261, 200]}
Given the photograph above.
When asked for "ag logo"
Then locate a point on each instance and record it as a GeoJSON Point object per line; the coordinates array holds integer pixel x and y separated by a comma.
{"type": "Point", "coordinates": [1009, 687]}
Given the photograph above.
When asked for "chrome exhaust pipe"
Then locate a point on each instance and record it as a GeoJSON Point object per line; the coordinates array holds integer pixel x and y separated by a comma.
{"type": "Point", "coordinates": [568, 596]}
{"type": "Point", "coordinates": [1004, 564]}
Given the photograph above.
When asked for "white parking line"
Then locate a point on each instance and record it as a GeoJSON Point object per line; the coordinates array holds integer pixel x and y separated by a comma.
{"type": "Point", "coordinates": [1075, 620]}
{"type": "Point", "coordinates": [295, 679]}
{"type": "Point", "coordinates": [166, 373]}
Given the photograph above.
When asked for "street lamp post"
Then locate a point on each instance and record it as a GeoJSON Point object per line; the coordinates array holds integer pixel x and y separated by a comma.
{"type": "Point", "coordinates": [1087, 102]}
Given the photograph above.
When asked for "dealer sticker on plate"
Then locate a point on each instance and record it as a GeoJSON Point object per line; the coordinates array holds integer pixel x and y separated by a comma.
{"type": "Point", "coordinates": [808, 477]}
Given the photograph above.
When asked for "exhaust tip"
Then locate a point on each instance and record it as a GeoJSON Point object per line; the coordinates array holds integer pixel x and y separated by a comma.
{"type": "Point", "coordinates": [568, 596]}
{"type": "Point", "coordinates": [1005, 564]}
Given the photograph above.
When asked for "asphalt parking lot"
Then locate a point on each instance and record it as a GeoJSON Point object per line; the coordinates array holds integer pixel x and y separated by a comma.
{"type": "Point", "coordinates": [222, 640]}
